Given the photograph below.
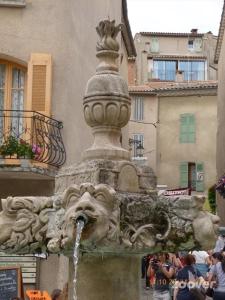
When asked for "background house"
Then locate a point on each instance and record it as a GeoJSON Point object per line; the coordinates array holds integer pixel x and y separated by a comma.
{"type": "Point", "coordinates": [173, 91]}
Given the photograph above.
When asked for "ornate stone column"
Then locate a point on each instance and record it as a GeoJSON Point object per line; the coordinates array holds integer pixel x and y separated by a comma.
{"type": "Point", "coordinates": [106, 101]}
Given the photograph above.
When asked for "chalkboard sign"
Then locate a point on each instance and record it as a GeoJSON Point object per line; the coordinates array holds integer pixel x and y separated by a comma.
{"type": "Point", "coordinates": [10, 283]}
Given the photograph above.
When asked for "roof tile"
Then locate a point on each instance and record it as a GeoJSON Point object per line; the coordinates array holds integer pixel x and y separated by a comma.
{"type": "Point", "coordinates": [154, 87]}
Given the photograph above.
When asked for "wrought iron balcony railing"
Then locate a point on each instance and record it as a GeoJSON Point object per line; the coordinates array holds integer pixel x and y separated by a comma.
{"type": "Point", "coordinates": [32, 135]}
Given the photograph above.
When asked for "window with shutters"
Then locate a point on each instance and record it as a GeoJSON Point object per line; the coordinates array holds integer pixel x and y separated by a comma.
{"type": "Point", "coordinates": [187, 128]}
{"type": "Point", "coordinates": [192, 176]}
{"type": "Point", "coordinates": [138, 109]}
{"type": "Point", "coordinates": [13, 3]}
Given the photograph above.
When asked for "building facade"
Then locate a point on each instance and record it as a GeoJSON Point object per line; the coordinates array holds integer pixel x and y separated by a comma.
{"type": "Point", "coordinates": [173, 95]}
{"type": "Point", "coordinates": [175, 56]}
{"type": "Point", "coordinates": [47, 55]}
{"type": "Point", "coordinates": [220, 156]}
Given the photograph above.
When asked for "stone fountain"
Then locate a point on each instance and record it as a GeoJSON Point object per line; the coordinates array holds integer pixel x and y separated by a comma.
{"type": "Point", "coordinates": [116, 199]}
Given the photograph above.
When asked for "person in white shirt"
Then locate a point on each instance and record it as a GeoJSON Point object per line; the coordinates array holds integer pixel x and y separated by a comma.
{"type": "Point", "coordinates": [217, 275]}
{"type": "Point", "coordinates": [220, 243]}
{"type": "Point", "coordinates": [202, 261]}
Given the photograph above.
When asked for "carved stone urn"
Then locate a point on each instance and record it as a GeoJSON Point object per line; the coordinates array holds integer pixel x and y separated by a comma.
{"type": "Point", "coordinates": [106, 101]}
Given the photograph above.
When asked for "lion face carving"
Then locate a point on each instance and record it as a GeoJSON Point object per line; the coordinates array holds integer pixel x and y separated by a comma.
{"type": "Point", "coordinates": [101, 208]}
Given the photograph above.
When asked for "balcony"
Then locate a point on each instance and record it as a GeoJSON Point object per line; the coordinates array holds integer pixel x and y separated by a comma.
{"type": "Point", "coordinates": [32, 140]}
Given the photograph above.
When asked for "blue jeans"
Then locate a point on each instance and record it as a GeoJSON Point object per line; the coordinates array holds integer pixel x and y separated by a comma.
{"type": "Point", "coordinates": [219, 295]}
{"type": "Point", "coordinates": [203, 269]}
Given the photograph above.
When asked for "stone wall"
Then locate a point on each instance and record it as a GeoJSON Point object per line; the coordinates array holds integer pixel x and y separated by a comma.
{"type": "Point", "coordinates": [220, 160]}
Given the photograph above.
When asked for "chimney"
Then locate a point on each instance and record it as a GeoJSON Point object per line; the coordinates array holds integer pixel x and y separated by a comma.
{"type": "Point", "coordinates": [194, 31]}
{"type": "Point", "coordinates": [179, 76]}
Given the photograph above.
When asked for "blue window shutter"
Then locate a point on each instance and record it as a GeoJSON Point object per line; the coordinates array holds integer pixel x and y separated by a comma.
{"type": "Point", "coordinates": [199, 177]}
{"type": "Point", "coordinates": [184, 174]}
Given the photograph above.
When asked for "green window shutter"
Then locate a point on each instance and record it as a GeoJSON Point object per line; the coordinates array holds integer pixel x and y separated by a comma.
{"type": "Point", "coordinates": [183, 129]}
{"type": "Point", "coordinates": [198, 45]}
{"type": "Point", "coordinates": [154, 44]}
{"type": "Point", "coordinates": [191, 129]}
{"type": "Point", "coordinates": [200, 177]}
{"type": "Point", "coordinates": [187, 128]}
{"type": "Point", "coordinates": [183, 174]}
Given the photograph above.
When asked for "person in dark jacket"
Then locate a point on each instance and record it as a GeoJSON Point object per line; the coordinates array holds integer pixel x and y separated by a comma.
{"type": "Point", "coordinates": [185, 278]}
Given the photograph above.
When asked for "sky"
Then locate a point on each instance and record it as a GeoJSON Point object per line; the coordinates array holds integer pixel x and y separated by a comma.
{"type": "Point", "coordinates": [175, 15]}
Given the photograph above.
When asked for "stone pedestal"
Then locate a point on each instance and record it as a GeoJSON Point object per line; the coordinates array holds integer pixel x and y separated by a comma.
{"type": "Point", "coordinates": [123, 176]}
{"type": "Point", "coordinates": [107, 278]}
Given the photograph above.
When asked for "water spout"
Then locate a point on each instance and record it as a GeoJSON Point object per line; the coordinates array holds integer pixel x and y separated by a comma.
{"type": "Point", "coordinates": [80, 221]}
{"type": "Point", "coordinates": [83, 218]}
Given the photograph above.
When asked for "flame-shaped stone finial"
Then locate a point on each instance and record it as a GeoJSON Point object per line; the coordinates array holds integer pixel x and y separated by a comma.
{"type": "Point", "coordinates": [108, 31]}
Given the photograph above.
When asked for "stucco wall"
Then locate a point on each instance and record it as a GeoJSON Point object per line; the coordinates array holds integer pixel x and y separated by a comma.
{"type": "Point", "coordinates": [221, 128]}
{"type": "Point", "coordinates": [148, 130]}
{"type": "Point", "coordinates": [171, 152]}
{"type": "Point", "coordinates": [66, 29]}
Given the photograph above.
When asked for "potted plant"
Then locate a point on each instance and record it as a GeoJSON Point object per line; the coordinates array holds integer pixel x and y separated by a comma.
{"type": "Point", "coordinates": [19, 148]}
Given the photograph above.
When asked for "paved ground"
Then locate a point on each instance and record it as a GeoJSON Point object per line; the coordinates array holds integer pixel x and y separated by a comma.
{"type": "Point", "coordinates": [145, 294]}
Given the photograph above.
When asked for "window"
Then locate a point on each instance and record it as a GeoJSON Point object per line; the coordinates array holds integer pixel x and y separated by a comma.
{"type": "Point", "coordinates": [164, 69]}
{"type": "Point", "coordinates": [192, 176]}
{"type": "Point", "coordinates": [15, 3]}
{"type": "Point", "coordinates": [195, 45]}
{"type": "Point", "coordinates": [138, 109]}
{"type": "Point", "coordinates": [187, 128]}
{"type": "Point", "coordinates": [192, 70]}
{"type": "Point", "coordinates": [138, 140]}
{"type": "Point", "coordinates": [12, 85]}
{"type": "Point", "coordinates": [190, 44]}
{"type": "Point", "coordinates": [154, 45]}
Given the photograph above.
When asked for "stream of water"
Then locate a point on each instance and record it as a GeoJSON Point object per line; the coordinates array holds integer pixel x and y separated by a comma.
{"type": "Point", "coordinates": [80, 226]}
